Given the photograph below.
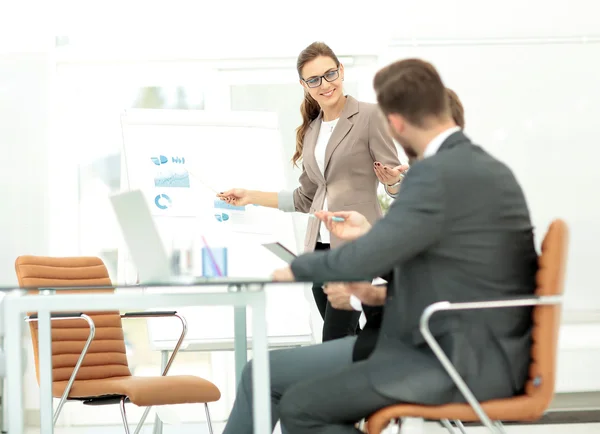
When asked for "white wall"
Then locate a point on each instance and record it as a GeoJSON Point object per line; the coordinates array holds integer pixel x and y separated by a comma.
{"type": "Point", "coordinates": [25, 97]}
{"type": "Point", "coordinates": [527, 75]}
{"type": "Point", "coordinates": [439, 19]}
{"type": "Point", "coordinates": [270, 28]}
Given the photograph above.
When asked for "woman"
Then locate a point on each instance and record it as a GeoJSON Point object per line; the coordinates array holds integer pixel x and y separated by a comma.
{"type": "Point", "coordinates": [341, 143]}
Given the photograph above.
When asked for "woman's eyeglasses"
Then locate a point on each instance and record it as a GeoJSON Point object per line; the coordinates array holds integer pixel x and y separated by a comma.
{"type": "Point", "coordinates": [328, 76]}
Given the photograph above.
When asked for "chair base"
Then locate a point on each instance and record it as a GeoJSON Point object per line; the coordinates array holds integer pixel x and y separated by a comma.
{"type": "Point", "coordinates": [458, 427]}
{"type": "Point", "coordinates": [122, 400]}
{"type": "Point", "coordinates": [124, 415]}
{"type": "Point", "coordinates": [453, 427]}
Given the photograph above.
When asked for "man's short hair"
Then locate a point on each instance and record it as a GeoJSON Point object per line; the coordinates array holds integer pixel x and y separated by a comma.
{"type": "Point", "coordinates": [413, 89]}
{"type": "Point", "coordinates": [456, 108]}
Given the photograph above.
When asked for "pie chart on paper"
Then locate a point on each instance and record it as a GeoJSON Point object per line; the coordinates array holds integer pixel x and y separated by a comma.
{"type": "Point", "coordinates": [162, 201]}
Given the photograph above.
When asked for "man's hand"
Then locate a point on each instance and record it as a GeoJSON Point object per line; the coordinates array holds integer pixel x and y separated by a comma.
{"type": "Point", "coordinates": [353, 226]}
{"type": "Point", "coordinates": [367, 293]}
{"type": "Point", "coordinates": [283, 275]}
{"type": "Point", "coordinates": [388, 175]}
{"type": "Point", "coordinates": [338, 295]}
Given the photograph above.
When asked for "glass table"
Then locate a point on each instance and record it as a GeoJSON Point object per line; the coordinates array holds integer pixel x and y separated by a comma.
{"type": "Point", "coordinates": [182, 292]}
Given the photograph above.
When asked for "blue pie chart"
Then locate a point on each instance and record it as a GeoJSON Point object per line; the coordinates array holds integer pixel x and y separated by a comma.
{"type": "Point", "coordinates": [162, 201]}
{"type": "Point", "coordinates": [222, 217]}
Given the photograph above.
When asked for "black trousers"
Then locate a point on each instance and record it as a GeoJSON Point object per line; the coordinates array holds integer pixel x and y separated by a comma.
{"type": "Point", "coordinates": [336, 323]}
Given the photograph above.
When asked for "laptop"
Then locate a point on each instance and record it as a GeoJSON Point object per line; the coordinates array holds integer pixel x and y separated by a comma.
{"type": "Point", "coordinates": [145, 244]}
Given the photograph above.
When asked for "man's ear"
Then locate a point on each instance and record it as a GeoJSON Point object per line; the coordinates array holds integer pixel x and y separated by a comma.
{"type": "Point", "coordinates": [396, 122]}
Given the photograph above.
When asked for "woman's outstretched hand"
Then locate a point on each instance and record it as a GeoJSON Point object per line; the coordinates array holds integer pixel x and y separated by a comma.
{"type": "Point", "coordinates": [389, 175]}
{"type": "Point", "coordinates": [236, 197]}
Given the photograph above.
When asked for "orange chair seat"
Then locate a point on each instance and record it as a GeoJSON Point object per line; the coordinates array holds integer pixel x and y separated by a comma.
{"type": "Point", "coordinates": [517, 409]}
{"type": "Point", "coordinates": [145, 391]}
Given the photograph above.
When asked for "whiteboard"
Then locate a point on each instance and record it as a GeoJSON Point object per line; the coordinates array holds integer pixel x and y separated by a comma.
{"type": "Point", "coordinates": [182, 158]}
{"type": "Point", "coordinates": [186, 156]}
{"type": "Point", "coordinates": [536, 107]}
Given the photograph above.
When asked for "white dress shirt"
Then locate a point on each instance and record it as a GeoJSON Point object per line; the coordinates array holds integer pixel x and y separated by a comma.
{"type": "Point", "coordinates": [434, 145]}
{"type": "Point", "coordinates": [320, 149]}
{"type": "Point", "coordinates": [357, 305]}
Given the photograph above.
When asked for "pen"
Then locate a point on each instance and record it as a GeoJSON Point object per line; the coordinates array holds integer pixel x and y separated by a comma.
{"type": "Point", "coordinates": [334, 218]}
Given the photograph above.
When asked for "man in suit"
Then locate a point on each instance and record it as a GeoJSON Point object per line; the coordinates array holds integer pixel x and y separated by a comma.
{"type": "Point", "coordinates": [459, 231]}
{"type": "Point", "coordinates": [338, 294]}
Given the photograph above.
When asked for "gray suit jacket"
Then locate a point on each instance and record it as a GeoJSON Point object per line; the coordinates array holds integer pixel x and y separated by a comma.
{"type": "Point", "coordinates": [359, 138]}
{"type": "Point", "coordinates": [459, 231]}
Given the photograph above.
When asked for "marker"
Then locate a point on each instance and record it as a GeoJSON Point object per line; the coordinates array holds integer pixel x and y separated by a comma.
{"type": "Point", "coordinates": [334, 218]}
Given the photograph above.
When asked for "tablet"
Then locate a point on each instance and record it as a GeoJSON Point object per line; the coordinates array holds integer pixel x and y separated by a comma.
{"type": "Point", "coordinates": [281, 252]}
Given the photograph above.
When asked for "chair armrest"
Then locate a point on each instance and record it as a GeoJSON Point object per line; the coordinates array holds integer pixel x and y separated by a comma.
{"type": "Point", "coordinates": [488, 304]}
{"type": "Point", "coordinates": [149, 314]}
{"type": "Point", "coordinates": [484, 304]}
{"type": "Point", "coordinates": [163, 314]}
{"type": "Point", "coordinates": [56, 315]}
{"type": "Point", "coordinates": [84, 351]}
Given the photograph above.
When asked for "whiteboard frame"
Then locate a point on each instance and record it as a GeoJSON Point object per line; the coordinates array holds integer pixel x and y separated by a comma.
{"type": "Point", "coordinates": [179, 117]}
{"type": "Point", "coordinates": [225, 118]}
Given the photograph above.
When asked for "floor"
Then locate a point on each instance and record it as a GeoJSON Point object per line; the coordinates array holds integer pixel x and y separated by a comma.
{"type": "Point", "coordinates": [574, 413]}
{"type": "Point", "coordinates": [430, 428]}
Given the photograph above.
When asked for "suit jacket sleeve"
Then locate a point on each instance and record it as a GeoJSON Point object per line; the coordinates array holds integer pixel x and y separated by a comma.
{"type": "Point", "coordinates": [381, 145]}
{"type": "Point", "coordinates": [304, 195]}
{"type": "Point", "coordinates": [413, 224]}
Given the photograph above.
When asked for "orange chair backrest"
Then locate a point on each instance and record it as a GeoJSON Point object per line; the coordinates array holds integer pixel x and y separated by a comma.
{"type": "Point", "coordinates": [106, 356]}
{"type": "Point", "coordinates": [546, 319]}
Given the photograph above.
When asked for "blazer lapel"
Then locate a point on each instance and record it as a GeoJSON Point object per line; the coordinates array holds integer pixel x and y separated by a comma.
{"type": "Point", "coordinates": [342, 128]}
{"type": "Point", "coordinates": [310, 142]}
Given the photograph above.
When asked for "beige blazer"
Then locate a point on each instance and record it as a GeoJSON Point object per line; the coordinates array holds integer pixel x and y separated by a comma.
{"type": "Point", "coordinates": [360, 137]}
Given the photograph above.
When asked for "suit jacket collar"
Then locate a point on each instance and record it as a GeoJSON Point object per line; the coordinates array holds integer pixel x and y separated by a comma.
{"type": "Point", "coordinates": [457, 138]}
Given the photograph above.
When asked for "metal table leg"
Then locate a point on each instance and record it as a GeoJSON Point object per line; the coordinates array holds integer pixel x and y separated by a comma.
{"type": "Point", "coordinates": [3, 412]}
{"type": "Point", "coordinates": [4, 427]}
{"type": "Point", "coordinates": [260, 369]}
{"type": "Point", "coordinates": [13, 326]}
{"type": "Point", "coordinates": [45, 355]}
{"type": "Point", "coordinates": [240, 344]}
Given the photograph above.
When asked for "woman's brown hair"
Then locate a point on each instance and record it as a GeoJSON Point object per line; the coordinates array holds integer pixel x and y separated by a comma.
{"type": "Point", "coordinates": [309, 108]}
{"type": "Point", "coordinates": [456, 108]}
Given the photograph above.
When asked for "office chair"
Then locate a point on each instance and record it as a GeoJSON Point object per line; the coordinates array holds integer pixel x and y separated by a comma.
{"type": "Point", "coordinates": [89, 363]}
{"type": "Point", "coordinates": [539, 390]}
